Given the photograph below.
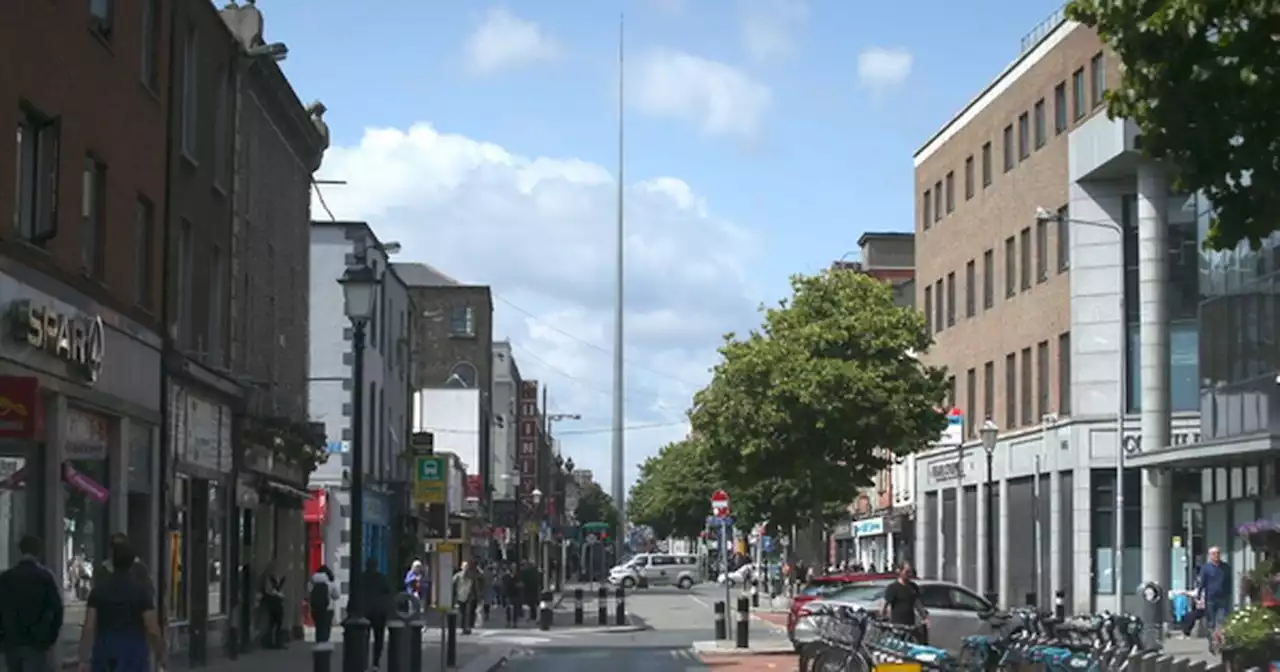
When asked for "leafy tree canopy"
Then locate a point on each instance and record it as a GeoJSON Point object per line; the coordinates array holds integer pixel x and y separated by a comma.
{"type": "Point", "coordinates": [596, 506]}
{"type": "Point", "coordinates": [1200, 80]}
{"type": "Point", "coordinates": [796, 411]}
{"type": "Point", "coordinates": [673, 493]}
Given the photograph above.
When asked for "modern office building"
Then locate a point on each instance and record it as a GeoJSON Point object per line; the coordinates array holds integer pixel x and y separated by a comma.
{"type": "Point", "coordinates": [1037, 222]}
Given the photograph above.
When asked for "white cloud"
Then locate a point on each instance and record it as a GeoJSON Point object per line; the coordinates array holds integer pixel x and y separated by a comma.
{"type": "Point", "coordinates": [881, 69]}
{"type": "Point", "coordinates": [719, 99]}
{"type": "Point", "coordinates": [504, 40]}
{"type": "Point", "coordinates": [540, 231]}
{"type": "Point", "coordinates": [770, 28]}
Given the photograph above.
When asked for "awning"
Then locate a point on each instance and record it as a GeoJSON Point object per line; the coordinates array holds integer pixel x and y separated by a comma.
{"type": "Point", "coordinates": [288, 490]}
{"type": "Point", "coordinates": [316, 508]}
{"type": "Point", "coordinates": [1226, 452]}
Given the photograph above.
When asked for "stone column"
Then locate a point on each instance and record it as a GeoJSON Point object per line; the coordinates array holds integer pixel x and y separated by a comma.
{"type": "Point", "coordinates": [940, 546]}
{"type": "Point", "coordinates": [118, 478]}
{"type": "Point", "coordinates": [961, 553]}
{"type": "Point", "coordinates": [980, 548]}
{"type": "Point", "coordinates": [1002, 519]}
{"type": "Point", "coordinates": [923, 518]}
{"type": "Point", "coordinates": [1153, 318]}
{"type": "Point", "coordinates": [1082, 542]}
{"type": "Point", "coordinates": [1055, 535]}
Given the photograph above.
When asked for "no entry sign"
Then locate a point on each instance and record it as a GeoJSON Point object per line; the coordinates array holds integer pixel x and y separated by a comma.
{"type": "Point", "coordinates": [720, 503]}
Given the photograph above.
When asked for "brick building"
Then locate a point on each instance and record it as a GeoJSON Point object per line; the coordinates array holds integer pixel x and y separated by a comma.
{"type": "Point", "coordinates": [1022, 200]}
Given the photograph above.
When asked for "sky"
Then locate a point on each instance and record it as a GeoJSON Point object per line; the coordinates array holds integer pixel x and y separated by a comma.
{"type": "Point", "coordinates": [763, 137]}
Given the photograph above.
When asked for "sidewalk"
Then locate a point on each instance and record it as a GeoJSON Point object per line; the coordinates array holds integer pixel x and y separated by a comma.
{"type": "Point", "coordinates": [298, 658]}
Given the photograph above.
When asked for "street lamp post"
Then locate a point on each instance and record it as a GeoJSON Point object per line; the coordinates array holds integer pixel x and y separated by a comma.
{"type": "Point", "coordinates": [1117, 562]}
{"type": "Point", "coordinates": [359, 288]}
{"type": "Point", "coordinates": [536, 497]}
{"type": "Point", "coordinates": [989, 433]}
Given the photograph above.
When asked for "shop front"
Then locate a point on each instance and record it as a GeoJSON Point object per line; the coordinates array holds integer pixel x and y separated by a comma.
{"type": "Point", "coordinates": [79, 404]}
{"type": "Point", "coordinates": [842, 550]}
{"type": "Point", "coordinates": [874, 545]}
{"type": "Point", "coordinates": [377, 529]}
{"type": "Point", "coordinates": [315, 513]}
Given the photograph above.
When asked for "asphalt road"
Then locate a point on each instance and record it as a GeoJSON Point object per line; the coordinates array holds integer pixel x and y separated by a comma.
{"type": "Point", "coordinates": [677, 619]}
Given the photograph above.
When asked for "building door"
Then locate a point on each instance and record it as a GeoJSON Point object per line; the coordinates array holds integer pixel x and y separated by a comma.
{"type": "Point", "coordinates": [198, 571]}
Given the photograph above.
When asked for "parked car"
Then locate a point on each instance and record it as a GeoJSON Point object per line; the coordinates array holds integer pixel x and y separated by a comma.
{"type": "Point", "coordinates": [955, 612]}
{"type": "Point", "coordinates": [821, 586]}
{"type": "Point", "coordinates": [658, 569]}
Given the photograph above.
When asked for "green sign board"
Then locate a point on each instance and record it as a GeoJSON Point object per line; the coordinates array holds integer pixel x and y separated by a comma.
{"type": "Point", "coordinates": [596, 527]}
{"type": "Point", "coordinates": [430, 480]}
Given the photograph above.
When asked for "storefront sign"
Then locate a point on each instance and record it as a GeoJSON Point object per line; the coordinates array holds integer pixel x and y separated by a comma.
{"type": "Point", "coordinates": [869, 527]}
{"type": "Point", "coordinates": [1133, 442]}
{"type": "Point", "coordinates": [945, 471]}
{"type": "Point", "coordinates": [76, 339]}
{"type": "Point", "coordinates": [527, 434]}
{"type": "Point", "coordinates": [20, 414]}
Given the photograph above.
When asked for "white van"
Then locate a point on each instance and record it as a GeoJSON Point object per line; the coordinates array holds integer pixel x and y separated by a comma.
{"type": "Point", "coordinates": [659, 569]}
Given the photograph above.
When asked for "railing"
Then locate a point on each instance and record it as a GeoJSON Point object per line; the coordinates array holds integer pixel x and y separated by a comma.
{"type": "Point", "coordinates": [1042, 29]}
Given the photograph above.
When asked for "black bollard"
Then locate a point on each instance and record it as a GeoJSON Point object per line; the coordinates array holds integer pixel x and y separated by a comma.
{"type": "Point", "coordinates": [397, 646]}
{"type": "Point", "coordinates": [415, 644]}
{"type": "Point", "coordinates": [544, 610]}
{"type": "Point", "coordinates": [322, 657]}
{"type": "Point", "coordinates": [722, 628]}
{"type": "Point", "coordinates": [755, 594]}
{"type": "Point", "coordinates": [355, 643]}
{"type": "Point", "coordinates": [577, 606]}
{"type": "Point", "coordinates": [1060, 605]}
{"type": "Point", "coordinates": [620, 607]}
{"type": "Point", "coordinates": [602, 606]}
{"type": "Point", "coordinates": [1030, 599]}
{"type": "Point", "coordinates": [744, 618]}
{"type": "Point", "coordinates": [451, 639]}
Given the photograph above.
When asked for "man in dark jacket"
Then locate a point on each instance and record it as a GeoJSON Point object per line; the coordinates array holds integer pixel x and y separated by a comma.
{"type": "Point", "coordinates": [377, 606]}
{"type": "Point", "coordinates": [530, 588]}
{"type": "Point", "coordinates": [1215, 589]}
{"type": "Point", "coordinates": [30, 611]}
{"type": "Point", "coordinates": [511, 592]}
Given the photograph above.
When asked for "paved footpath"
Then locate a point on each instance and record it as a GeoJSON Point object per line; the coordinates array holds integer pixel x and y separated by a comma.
{"type": "Point", "coordinates": [298, 658]}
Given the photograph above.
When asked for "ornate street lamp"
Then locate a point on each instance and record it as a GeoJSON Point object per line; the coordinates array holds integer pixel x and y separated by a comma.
{"type": "Point", "coordinates": [989, 432]}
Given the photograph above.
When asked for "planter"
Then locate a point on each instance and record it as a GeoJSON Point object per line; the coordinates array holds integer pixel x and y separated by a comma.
{"type": "Point", "coordinates": [1239, 659]}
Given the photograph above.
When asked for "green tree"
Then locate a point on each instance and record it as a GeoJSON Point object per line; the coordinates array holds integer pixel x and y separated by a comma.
{"type": "Point", "coordinates": [673, 493]}
{"type": "Point", "coordinates": [1200, 80]}
{"type": "Point", "coordinates": [596, 506]}
{"type": "Point", "coordinates": [796, 411]}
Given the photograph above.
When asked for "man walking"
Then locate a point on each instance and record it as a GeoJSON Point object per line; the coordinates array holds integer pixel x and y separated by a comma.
{"type": "Point", "coordinates": [1214, 590]}
{"type": "Point", "coordinates": [377, 589]}
{"type": "Point", "coordinates": [466, 585]}
{"type": "Point", "coordinates": [902, 604]}
{"type": "Point", "coordinates": [30, 611]}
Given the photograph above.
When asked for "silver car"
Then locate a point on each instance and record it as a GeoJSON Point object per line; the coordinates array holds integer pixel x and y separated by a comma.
{"type": "Point", "coordinates": [955, 612]}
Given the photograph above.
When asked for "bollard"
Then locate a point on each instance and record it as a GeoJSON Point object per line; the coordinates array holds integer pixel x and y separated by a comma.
{"type": "Point", "coordinates": [577, 606]}
{"type": "Point", "coordinates": [451, 639]}
{"type": "Point", "coordinates": [722, 628]}
{"type": "Point", "coordinates": [415, 644]}
{"type": "Point", "coordinates": [397, 646]}
{"type": "Point", "coordinates": [1029, 599]}
{"type": "Point", "coordinates": [544, 610]}
{"type": "Point", "coordinates": [321, 656]}
{"type": "Point", "coordinates": [620, 607]}
{"type": "Point", "coordinates": [602, 606]}
{"type": "Point", "coordinates": [755, 594]}
{"type": "Point", "coordinates": [1060, 605]}
{"type": "Point", "coordinates": [744, 618]}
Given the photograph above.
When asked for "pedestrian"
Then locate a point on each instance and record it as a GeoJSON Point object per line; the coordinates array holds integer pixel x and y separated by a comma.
{"type": "Point", "coordinates": [30, 610]}
{"type": "Point", "coordinates": [378, 608]}
{"type": "Point", "coordinates": [272, 597]}
{"type": "Point", "coordinates": [530, 588]}
{"type": "Point", "coordinates": [466, 585]}
{"type": "Point", "coordinates": [511, 591]}
{"type": "Point", "coordinates": [1215, 589]}
{"type": "Point", "coordinates": [902, 605]}
{"type": "Point", "coordinates": [322, 599]}
{"type": "Point", "coordinates": [415, 583]}
{"type": "Point", "coordinates": [120, 620]}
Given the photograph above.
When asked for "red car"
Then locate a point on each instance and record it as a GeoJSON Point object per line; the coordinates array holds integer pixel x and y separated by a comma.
{"type": "Point", "coordinates": [821, 586]}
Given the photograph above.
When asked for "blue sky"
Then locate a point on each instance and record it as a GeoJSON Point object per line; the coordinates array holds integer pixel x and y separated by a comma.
{"type": "Point", "coordinates": [763, 137]}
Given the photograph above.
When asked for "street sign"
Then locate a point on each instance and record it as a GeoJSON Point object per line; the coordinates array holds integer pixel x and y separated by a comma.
{"type": "Point", "coordinates": [716, 521]}
{"type": "Point", "coordinates": [720, 503]}
{"type": "Point", "coordinates": [430, 480]}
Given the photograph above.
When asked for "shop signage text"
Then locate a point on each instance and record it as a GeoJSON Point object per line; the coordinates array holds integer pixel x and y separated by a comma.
{"type": "Point", "coordinates": [945, 471]}
{"type": "Point", "coordinates": [1133, 442]}
{"type": "Point", "coordinates": [20, 413]}
{"type": "Point", "coordinates": [868, 527]}
{"type": "Point", "coordinates": [77, 339]}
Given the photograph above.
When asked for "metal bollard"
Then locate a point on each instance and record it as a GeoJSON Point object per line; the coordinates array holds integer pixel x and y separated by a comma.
{"type": "Point", "coordinates": [602, 606]}
{"type": "Point", "coordinates": [397, 646]}
{"type": "Point", "coordinates": [744, 620]}
{"type": "Point", "coordinates": [544, 610]}
{"type": "Point", "coordinates": [1060, 605]}
{"type": "Point", "coordinates": [415, 644]}
{"type": "Point", "coordinates": [722, 628]}
{"type": "Point", "coordinates": [451, 639]}
{"type": "Point", "coordinates": [321, 656]}
{"type": "Point", "coordinates": [577, 606]}
{"type": "Point", "coordinates": [755, 594]}
{"type": "Point", "coordinates": [620, 607]}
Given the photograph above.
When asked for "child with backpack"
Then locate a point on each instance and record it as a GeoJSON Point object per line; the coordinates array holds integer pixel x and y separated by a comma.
{"type": "Point", "coordinates": [323, 601]}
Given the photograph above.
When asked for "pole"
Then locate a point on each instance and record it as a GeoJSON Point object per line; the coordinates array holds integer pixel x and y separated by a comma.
{"type": "Point", "coordinates": [544, 481]}
{"type": "Point", "coordinates": [619, 491]}
{"type": "Point", "coordinates": [355, 629]}
{"type": "Point", "coordinates": [1117, 562]}
{"type": "Point", "coordinates": [1039, 541]}
{"type": "Point", "coordinates": [724, 561]}
{"type": "Point", "coordinates": [991, 532]}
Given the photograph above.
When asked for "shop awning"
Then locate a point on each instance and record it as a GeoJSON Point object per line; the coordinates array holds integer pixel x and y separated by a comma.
{"type": "Point", "coordinates": [1227, 452]}
{"type": "Point", "coordinates": [316, 508]}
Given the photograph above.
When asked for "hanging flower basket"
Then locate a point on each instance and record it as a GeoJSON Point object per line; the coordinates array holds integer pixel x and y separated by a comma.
{"type": "Point", "coordinates": [1250, 637]}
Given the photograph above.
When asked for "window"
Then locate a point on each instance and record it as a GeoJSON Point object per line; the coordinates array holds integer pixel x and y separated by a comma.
{"type": "Point", "coordinates": [928, 309]}
{"type": "Point", "coordinates": [970, 294]}
{"type": "Point", "coordinates": [190, 93]}
{"type": "Point", "coordinates": [1025, 276]}
{"type": "Point", "coordinates": [151, 44]}
{"type": "Point", "coordinates": [1098, 73]}
{"type": "Point", "coordinates": [971, 398]}
{"type": "Point", "coordinates": [1064, 374]}
{"type": "Point", "coordinates": [1042, 251]}
{"type": "Point", "coordinates": [1077, 90]}
{"type": "Point", "coordinates": [1027, 419]}
{"type": "Point", "coordinates": [1103, 523]}
{"type": "Point", "coordinates": [144, 233]}
{"type": "Point", "coordinates": [222, 130]}
{"type": "Point", "coordinates": [951, 192]}
{"type": "Point", "coordinates": [93, 214]}
{"type": "Point", "coordinates": [101, 17]}
{"type": "Point", "coordinates": [216, 554]}
{"type": "Point", "coordinates": [1010, 267]}
{"type": "Point", "coordinates": [937, 200]}
{"type": "Point", "coordinates": [35, 205]}
{"type": "Point", "coordinates": [1038, 121]}
{"type": "Point", "coordinates": [217, 299]}
{"type": "Point", "coordinates": [1042, 378]}
{"type": "Point", "coordinates": [988, 279]}
{"type": "Point", "coordinates": [986, 165]}
{"type": "Point", "coordinates": [951, 391]}
{"type": "Point", "coordinates": [1024, 136]}
{"type": "Point", "coordinates": [938, 306]}
{"type": "Point", "coordinates": [968, 178]}
{"type": "Point", "coordinates": [1060, 108]}
{"type": "Point", "coordinates": [963, 600]}
{"type": "Point", "coordinates": [926, 209]}
{"type": "Point", "coordinates": [1064, 239]}
{"type": "Point", "coordinates": [988, 392]}
{"type": "Point", "coordinates": [462, 321]}
{"type": "Point", "coordinates": [951, 299]}
{"type": "Point", "coordinates": [1008, 148]}
{"type": "Point", "coordinates": [1011, 390]}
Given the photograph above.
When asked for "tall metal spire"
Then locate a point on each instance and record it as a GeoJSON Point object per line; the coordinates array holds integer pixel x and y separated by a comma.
{"type": "Point", "coordinates": [619, 408]}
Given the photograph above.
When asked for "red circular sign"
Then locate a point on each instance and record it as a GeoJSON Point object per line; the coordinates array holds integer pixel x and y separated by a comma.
{"type": "Point", "coordinates": [719, 496]}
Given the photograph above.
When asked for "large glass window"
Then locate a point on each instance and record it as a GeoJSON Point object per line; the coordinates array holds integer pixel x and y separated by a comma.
{"type": "Point", "coordinates": [217, 550]}
{"type": "Point", "coordinates": [179, 536]}
{"type": "Point", "coordinates": [14, 502]}
{"type": "Point", "coordinates": [1104, 530]}
{"type": "Point", "coordinates": [85, 496]}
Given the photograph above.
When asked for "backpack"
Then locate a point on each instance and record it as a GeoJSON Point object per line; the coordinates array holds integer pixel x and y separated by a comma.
{"type": "Point", "coordinates": [319, 599]}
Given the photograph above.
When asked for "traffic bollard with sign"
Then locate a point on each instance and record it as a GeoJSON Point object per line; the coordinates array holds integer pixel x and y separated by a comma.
{"type": "Point", "coordinates": [397, 646]}
{"type": "Point", "coordinates": [577, 606]}
{"type": "Point", "coordinates": [744, 620]}
{"type": "Point", "coordinates": [722, 628]}
{"type": "Point", "coordinates": [602, 606]}
{"type": "Point", "coordinates": [620, 610]}
{"type": "Point", "coordinates": [322, 657]}
{"type": "Point", "coordinates": [544, 610]}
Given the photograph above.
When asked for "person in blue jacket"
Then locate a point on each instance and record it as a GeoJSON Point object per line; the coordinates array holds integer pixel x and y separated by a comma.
{"type": "Point", "coordinates": [1214, 590]}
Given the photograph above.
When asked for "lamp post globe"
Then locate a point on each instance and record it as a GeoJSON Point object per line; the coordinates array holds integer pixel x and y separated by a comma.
{"type": "Point", "coordinates": [537, 496]}
{"type": "Point", "coordinates": [989, 432]}
{"type": "Point", "coordinates": [359, 291]}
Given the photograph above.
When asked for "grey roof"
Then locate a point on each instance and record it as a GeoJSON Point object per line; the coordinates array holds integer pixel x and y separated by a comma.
{"type": "Point", "coordinates": [415, 274]}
